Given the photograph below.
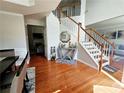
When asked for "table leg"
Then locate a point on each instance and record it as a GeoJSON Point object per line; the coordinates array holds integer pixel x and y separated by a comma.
{"type": "Point", "coordinates": [122, 80]}
{"type": "Point", "coordinates": [27, 79]}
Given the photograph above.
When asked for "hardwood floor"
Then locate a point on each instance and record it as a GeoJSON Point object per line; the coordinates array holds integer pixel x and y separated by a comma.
{"type": "Point", "coordinates": [119, 73]}
{"type": "Point", "coordinates": [53, 77]}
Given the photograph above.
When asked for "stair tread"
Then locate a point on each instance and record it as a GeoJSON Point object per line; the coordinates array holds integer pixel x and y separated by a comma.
{"type": "Point", "coordinates": [95, 52]}
{"type": "Point", "coordinates": [91, 48]}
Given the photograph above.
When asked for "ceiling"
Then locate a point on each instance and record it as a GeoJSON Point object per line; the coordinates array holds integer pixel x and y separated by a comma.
{"type": "Point", "coordinates": [41, 7]}
{"type": "Point", "coordinates": [117, 21]}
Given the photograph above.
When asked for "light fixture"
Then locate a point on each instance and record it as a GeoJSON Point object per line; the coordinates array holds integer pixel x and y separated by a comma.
{"type": "Point", "coordinates": [22, 2]}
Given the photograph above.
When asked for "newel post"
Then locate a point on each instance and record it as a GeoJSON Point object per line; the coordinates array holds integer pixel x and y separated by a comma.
{"type": "Point", "coordinates": [79, 25]}
{"type": "Point", "coordinates": [101, 58]}
{"type": "Point", "coordinates": [112, 52]}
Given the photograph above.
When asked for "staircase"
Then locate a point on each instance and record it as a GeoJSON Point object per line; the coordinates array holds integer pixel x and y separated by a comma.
{"type": "Point", "coordinates": [95, 49]}
{"type": "Point", "coordinates": [95, 53]}
{"type": "Point", "coordinates": [98, 48]}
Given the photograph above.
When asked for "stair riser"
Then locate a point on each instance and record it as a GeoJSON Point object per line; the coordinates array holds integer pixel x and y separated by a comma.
{"type": "Point", "coordinates": [94, 52]}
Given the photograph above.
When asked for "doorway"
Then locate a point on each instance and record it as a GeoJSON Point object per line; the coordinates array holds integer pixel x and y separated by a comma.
{"type": "Point", "coordinates": [36, 40]}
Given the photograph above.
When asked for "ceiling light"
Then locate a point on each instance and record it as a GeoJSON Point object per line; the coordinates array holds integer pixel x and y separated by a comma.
{"type": "Point", "coordinates": [22, 2]}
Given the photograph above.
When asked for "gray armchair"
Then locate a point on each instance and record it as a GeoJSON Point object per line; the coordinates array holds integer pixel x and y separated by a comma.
{"type": "Point", "coordinates": [119, 53]}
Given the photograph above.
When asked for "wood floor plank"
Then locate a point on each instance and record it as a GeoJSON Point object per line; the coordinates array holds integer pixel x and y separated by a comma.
{"type": "Point", "coordinates": [52, 77]}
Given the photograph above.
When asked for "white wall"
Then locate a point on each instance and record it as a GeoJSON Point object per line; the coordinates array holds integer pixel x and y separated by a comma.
{"type": "Point", "coordinates": [13, 32]}
{"type": "Point", "coordinates": [99, 10]}
{"type": "Point", "coordinates": [52, 33]}
{"type": "Point", "coordinates": [32, 21]}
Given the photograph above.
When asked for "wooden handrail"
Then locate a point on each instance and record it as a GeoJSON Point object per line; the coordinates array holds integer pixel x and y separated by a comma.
{"type": "Point", "coordinates": [90, 36]}
{"type": "Point", "coordinates": [72, 20]}
{"type": "Point", "coordinates": [94, 31]}
{"type": "Point", "coordinates": [102, 37]}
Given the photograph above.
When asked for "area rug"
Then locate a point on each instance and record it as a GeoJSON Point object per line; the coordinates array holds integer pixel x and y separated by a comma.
{"type": "Point", "coordinates": [30, 85]}
{"type": "Point", "coordinates": [110, 69]}
{"type": "Point", "coordinates": [62, 61]}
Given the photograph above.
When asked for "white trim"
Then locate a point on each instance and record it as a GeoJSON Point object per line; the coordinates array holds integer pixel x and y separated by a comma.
{"type": "Point", "coordinates": [11, 13]}
{"type": "Point", "coordinates": [113, 78]}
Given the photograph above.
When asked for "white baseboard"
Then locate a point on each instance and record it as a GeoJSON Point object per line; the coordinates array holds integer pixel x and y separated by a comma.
{"type": "Point", "coordinates": [114, 79]}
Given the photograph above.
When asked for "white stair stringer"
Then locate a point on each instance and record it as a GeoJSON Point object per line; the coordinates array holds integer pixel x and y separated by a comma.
{"type": "Point", "coordinates": [85, 58]}
{"type": "Point", "coordinates": [94, 52]}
